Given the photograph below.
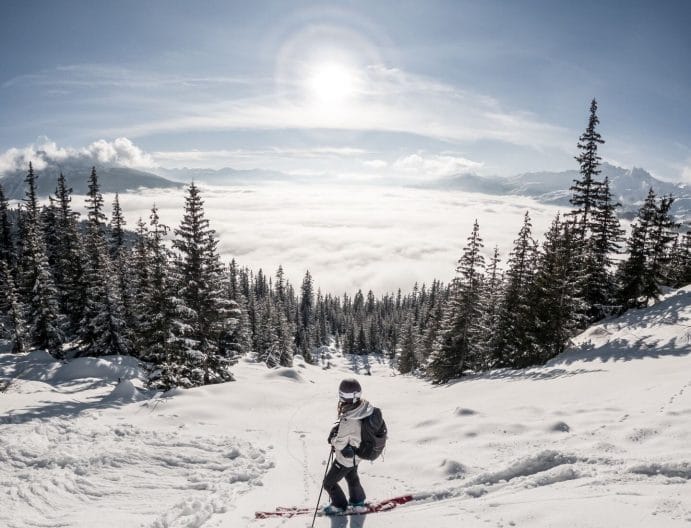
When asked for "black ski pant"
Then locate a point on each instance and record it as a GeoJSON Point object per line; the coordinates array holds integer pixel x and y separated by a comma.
{"type": "Point", "coordinates": [355, 491]}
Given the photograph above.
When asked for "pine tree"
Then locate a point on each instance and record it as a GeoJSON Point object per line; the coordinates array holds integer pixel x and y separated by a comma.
{"type": "Point", "coordinates": [631, 272]}
{"type": "Point", "coordinates": [44, 314]}
{"type": "Point", "coordinates": [305, 329]}
{"type": "Point", "coordinates": [605, 242]}
{"type": "Point", "coordinates": [7, 251]}
{"type": "Point", "coordinates": [455, 350]}
{"type": "Point", "coordinates": [662, 233]}
{"type": "Point", "coordinates": [117, 231]}
{"type": "Point", "coordinates": [587, 190]}
{"type": "Point", "coordinates": [12, 323]}
{"type": "Point", "coordinates": [513, 338]}
{"type": "Point", "coordinates": [407, 360]}
{"type": "Point", "coordinates": [557, 310]}
{"type": "Point", "coordinates": [200, 352]}
{"type": "Point", "coordinates": [156, 310]}
{"type": "Point", "coordinates": [103, 329]}
{"type": "Point", "coordinates": [490, 302]}
{"type": "Point", "coordinates": [69, 257]}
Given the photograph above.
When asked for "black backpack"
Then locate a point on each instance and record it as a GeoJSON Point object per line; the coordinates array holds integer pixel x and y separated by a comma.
{"type": "Point", "coordinates": [372, 436]}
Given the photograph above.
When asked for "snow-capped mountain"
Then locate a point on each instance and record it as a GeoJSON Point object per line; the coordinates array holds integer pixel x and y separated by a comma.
{"type": "Point", "coordinates": [628, 186]}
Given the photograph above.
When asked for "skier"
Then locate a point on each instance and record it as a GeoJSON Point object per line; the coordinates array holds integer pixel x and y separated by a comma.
{"type": "Point", "coordinates": [345, 438]}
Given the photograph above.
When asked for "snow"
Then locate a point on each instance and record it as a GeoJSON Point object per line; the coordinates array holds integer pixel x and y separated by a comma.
{"type": "Point", "coordinates": [600, 436]}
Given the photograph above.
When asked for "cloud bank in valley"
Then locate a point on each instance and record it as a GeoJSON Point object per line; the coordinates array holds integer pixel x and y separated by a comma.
{"type": "Point", "coordinates": [348, 237]}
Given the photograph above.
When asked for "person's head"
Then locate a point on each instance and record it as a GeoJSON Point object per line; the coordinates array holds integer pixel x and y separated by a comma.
{"type": "Point", "coordinates": [349, 393]}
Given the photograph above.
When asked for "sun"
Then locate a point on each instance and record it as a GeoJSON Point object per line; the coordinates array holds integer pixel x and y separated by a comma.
{"type": "Point", "coordinates": [331, 83]}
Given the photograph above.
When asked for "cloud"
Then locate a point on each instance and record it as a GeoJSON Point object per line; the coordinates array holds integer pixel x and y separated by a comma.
{"type": "Point", "coordinates": [120, 152]}
{"type": "Point", "coordinates": [388, 100]}
{"type": "Point", "coordinates": [225, 157]}
{"type": "Point", "coordinates": [375, 164]}
{"type": "Point", "coordinates": [349, 237]}
{"type": "Point", "coordinates": [436, 165]}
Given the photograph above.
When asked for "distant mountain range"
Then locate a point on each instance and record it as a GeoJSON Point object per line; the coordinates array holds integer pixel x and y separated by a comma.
{"type": "Point", "coordinates": [225, 176]}
{"type": "Point", "coordinates": [629, 187]}
{"type": "Point", "coordinates": [77, 172]}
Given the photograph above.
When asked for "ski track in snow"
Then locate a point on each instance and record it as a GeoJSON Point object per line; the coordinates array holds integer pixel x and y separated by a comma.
{"type": "Point", "coordinates": [53, 473]}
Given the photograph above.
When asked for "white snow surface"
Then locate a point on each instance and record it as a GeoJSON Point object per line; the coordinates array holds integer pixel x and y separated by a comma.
{"type": "Point", "coordinates": [601, 436]}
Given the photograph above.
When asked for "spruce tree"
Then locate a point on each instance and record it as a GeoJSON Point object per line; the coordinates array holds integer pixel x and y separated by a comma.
{"type": "Point", "coordinates": [556, 308]}
{"type": "Point", "coordinates": [305, 328]}
{"type": "Point", "coordinates": [12, 323]}
{"type": "Point", "coordinates": [605, 242]}
{"type": "Point", "coordinates": [70, 257]}
{"type": "Point", "coordinates": [587, 189]}
{"type": "Point", "coordinates": [44, 313]}
{"type": "Point", "coordinates": [456, 348]}
{"type": "Point", "coordinates": [407, 361]}
{"type": "Point", "coordinates": [513, 338]}
{"type": "Point", "coordinates": [7, 251]}
{"type": "Point", "coordinates": [662, 234]}
{"type": "Point", "coordinates": [200, 353]}
{"type": "Point", "coordinates": [490, 302]}
{"type": "Point", "coordinates": [103, 329]}
{"type": "Point", "coordinates": [631, 272]}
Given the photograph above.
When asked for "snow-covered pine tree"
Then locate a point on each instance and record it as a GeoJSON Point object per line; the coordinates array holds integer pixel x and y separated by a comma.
{"type": "Point", "coordinates": [490, 301]}
{"type": "Point", "coordinates": [557, 310]}
{"type": "Point", "coordinates": [7, 251]}
{"type": "Point", "coordinates": [631, 271]}
{"type": "Point", "coordinates": [155, 310]}
{"type": "Point", "coordinates": [70, 257]}
{"type": "Point", "coordinates": [586, 191]}
{"type": "Point", "coordinates": [606, 241]}
{"type": "Point", "coordinates": [662, 233]}
{"type": "Point", "coordinates": [204, 315]}
{"type": "Point", "coordinates": [680, 264]}
{"type": "Point", "coordinates": [120, 257]}
{"type": "Point", "coordinates": [407, 359]}
{"type": "Point", "coordinates": [455, 349]}
{"type": "Point", "coordinates": [103, 328]}
{"type": "Point", "coordinates": [430, 332]}
{"type": "Point", "coordinates": [12, 322]}
{"type": "Point", "coordinates": [44, 316]}
{"type": "Point", "coordinates": [513, 335]}
{"type": "Point", "coordinates": [305, 324]}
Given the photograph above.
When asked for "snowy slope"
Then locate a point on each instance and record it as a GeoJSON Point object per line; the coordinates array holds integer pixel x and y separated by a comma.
{"type": "Point", "coordinates": [599, 437]}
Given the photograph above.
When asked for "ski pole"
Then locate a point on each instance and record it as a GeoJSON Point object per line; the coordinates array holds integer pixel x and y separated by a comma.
{"type": "Point", "coordinates": [328, 463]}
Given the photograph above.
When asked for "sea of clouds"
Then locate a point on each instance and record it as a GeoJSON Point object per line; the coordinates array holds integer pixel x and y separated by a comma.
{"type": "Point", "coordinates": [348, 237]}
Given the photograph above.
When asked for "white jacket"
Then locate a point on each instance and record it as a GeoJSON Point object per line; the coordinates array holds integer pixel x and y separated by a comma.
{"type": "Point", "coordinates": [349, 432]}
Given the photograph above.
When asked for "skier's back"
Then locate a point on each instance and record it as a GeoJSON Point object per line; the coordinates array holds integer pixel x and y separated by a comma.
{"type": "Point", "coordinates": [345, 438]}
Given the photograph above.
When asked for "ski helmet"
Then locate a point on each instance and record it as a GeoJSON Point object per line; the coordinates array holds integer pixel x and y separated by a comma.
{"type": "Point", "coordinates": [349, 391]}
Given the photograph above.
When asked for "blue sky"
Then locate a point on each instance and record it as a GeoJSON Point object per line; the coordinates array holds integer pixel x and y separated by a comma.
{"type": "Point", "coordinates": [352, 89]}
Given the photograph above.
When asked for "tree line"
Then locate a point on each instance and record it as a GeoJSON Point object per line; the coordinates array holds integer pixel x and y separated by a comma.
{"type": "Point", "coordinates": [88, 286]}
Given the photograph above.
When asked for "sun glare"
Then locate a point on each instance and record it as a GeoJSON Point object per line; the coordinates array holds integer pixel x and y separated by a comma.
{"type": "Point", "coordinates": [331, 83]}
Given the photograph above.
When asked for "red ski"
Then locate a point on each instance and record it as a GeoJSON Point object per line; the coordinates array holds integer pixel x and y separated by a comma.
{"type": "Point", "coordinates": [372, 507]}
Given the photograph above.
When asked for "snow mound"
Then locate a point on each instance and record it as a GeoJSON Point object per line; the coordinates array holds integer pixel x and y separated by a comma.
{"type": "Point", "coordinates": [51, 469]}
{"type": "Point", "coordinates": [453, 469]}
{"type": "Point", "coordinates": [552, 476]}
{"type": "Point", "coordinates": [671, 469]}
{"type": "Point", "coordinates": [560, 427]}
{"type": "Point", "coordinates": [284, 372]}
{"type": "Point", "coordinates": [663, 329]}
{"type": "Point", "coordinates": [107, 369]}
{"type": "Point", "coordinates": [527, 466]}
{"type": "Point", "coordinates": [124, 392]}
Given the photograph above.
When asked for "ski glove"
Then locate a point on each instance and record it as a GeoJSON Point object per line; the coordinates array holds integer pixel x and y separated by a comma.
{"type": "Point", "coordinates": [348, 451]}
